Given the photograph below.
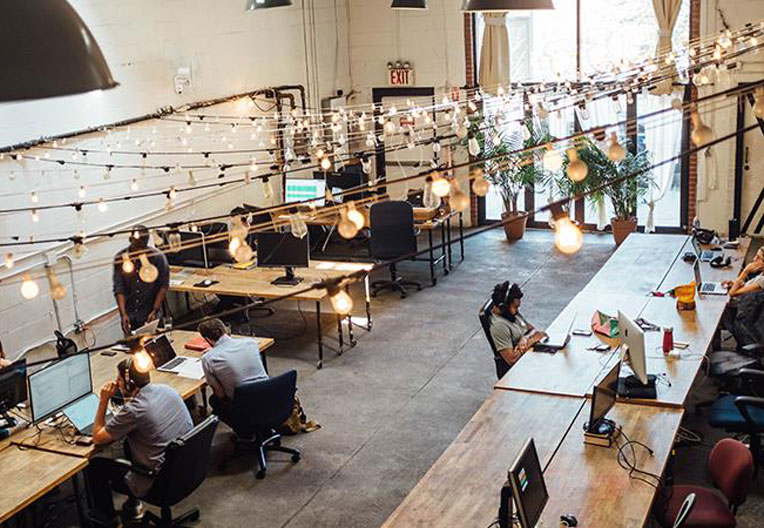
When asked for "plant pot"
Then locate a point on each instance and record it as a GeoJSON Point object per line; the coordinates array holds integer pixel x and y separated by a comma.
{"type": "Point", "coordinates": [514, 226]}
{"type": "Point", "coordinates": [622, 228]}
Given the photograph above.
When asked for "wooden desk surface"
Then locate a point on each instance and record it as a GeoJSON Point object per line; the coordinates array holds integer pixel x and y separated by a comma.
{"type": "Point", "coordinates": [104, 369]}
{"type": "Point", "coordinates": [462, 488]}
{"type": "Point", "coordinates": [574, 369]}
{"type": "Point", "coordinates": [30, 474]}
{"type": "Point", "coordinates": [681, 272]}
{"type": "Point", "coordinates": [587, 481]}
{"type": "Point", "coordinates": [639, 265]}
{"type": "Point", "coordinates": [256, 282]}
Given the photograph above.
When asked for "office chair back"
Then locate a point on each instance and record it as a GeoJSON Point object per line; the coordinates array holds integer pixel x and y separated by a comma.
{"type": "Point", "coordinates": [485, 315]}
{"type": "Point", "coordinates": [392, 230]}
{"type": "Point", "coordinates": [259, 406]}
{"type": "Point", "coordinates": [730, 466]}
{"type": "Point", "coordinates": [185, 465]}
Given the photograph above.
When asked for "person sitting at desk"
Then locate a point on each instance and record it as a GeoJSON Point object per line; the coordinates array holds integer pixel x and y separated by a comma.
{"type": "Point", "coordinates": [139, 302]}
{"type": "Point", "coordinates": [751, 279]}
{"type": "Point", "coordinates": [743, 316]}
{"type": "Point", "coordinates": [153, 415]}
{"type": "Point", "coordinates": [510, 332]}
{"type": "Point", "coordinates": [230, 362]}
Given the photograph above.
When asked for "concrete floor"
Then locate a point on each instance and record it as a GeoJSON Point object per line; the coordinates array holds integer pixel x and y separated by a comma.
{"type": "Point", "coordinates": [390, 406]}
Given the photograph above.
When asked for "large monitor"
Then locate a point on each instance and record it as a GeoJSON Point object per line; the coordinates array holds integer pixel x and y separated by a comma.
{"type": "Point", "coordinates": [283, 250]}
{"type": "Point", "coordinates": [13, 388]}
{"type": "Point", "coordinates": [193, 253]}
{"type": "Point", "coordinates": [298, 190]}
{"type": "Point", "coordinates": [59, 384]}
{"type": "Point", "coordinates": [641, 384]}
{"type": "Point", "coordinates": [603, 399]}
{"type": "Point", "coordinates": [528, 488]}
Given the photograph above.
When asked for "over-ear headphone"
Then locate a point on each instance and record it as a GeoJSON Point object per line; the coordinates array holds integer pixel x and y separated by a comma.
{"type": "Point", "coordinates": [131, 376]}
{"type": "Point", "coordinates": [720, 262]}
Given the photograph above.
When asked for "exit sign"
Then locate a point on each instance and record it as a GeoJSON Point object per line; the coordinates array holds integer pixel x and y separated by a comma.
{"type": "Point", "coordinates": [399, 75]}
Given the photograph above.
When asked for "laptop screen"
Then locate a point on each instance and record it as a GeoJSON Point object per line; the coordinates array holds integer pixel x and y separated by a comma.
{"type": "Point", "coordinates": [82, 412]}
{"type": "Point", "coordinates": [696, 270]}
{"type": "Point", "coordinates": [696, 246]}
{"type": "Point", "coordinates": [160, 350]}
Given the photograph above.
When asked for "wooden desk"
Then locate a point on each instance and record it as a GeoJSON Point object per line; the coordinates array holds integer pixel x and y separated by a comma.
{"type": "Point", "coordinates": [256, 282]}
{"type": "Point", "coordinates": [462, 488]}
{"type": "Point", "coordinates": [587, 481]}
{"type": "Point", "coordinates": [28, 475]}
{"type": "Point", "coordinates": [639, 266]}
{"type": "Point", "coordinates": [572, 370]}
{"type": "Point", "coordinates": [681, 272]}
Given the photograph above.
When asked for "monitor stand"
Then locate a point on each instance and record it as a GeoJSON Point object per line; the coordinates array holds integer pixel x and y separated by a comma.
{"type": "Point", "coordinates": [631, 387]}
{"type": "Point", "coordinates": [288, 279]}
{"type": "Point", "coordinates": [505, 506]}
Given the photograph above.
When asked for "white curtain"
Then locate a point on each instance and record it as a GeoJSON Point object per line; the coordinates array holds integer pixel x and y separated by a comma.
{"type": "Point", "coordinates": [494, 54]}
{"type": "Point", "coordinates": [666, 13]}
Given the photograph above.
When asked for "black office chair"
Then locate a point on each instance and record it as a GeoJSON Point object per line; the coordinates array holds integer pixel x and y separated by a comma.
{"type": "Point", "coordinates": [258, 408]}
{"type": "Point", "coordinates": [392, 235]}
{"type": "Point", "coordinates": [184, 469]}
{"type": "Point", "coordinates": [485, 314]}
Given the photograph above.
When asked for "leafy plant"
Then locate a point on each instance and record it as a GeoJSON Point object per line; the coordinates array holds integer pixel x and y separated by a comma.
{"type": "Point", "coordinates": [623, 195]}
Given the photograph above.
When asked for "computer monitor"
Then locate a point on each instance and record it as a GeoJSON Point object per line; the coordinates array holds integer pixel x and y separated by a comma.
{"type": "Point", "coordinates": [528, 488]}
{"type": "Point", "coordinates": [13, 388]}
{"type": "Point", "coordinates": [59, 384]}
{"type": "Point", "coordinates": [298, 190]}
{"type": "Point", "coordinates": [633, 346]}
{"type": "Point", "coordinates": [603, 399]}
{"type": "Point", "coordinates": [193, 253]}
{"type": "Point", "coordinates": [277, 250]}
{"type": "Point", "coordinates": [698, 277]}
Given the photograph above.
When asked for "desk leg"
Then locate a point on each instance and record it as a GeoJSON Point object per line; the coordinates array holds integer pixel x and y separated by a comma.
{"type": "Point", "coordinates": [432, 259]}
{"type": "Point", "coordinates": [320, 363]}
{"type": "Point", "coordinates": [368, 301]}
{"type": "Point", "coordinates": [205, 408]}
{"type": "Point", "coordinates": [461, 237]}
{"type": "Point", "coordinates": [81, 515]}
{"type": "Point", "coordinates": [444, 253]}
{"type": "Point", "coordinates": [340, 335]}
{"type": "Point", "coordinates": [448, 238]}
{"type": "Point", "coordinates": [353, 342]}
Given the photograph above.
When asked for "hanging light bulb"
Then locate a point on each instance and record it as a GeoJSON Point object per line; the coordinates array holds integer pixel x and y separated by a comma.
{"type": "Point", "coordinates": [473, 146]}
{"type": "Point", "coordinates": [341, 301]}
{"type": "Point", "coordinates": [81, 192]}
{"type": "Point", "coordinates": [346, 227]}
{"type": "Point", "coordinates": [615, 152]}
{"type": "Point", "coordinates": [577, 169]}
{"type": "Point", "coordinates": [80, 250]}
{"type": "Point", "coordinates": [172, 193]}
{"type": "Point", "coordinates": [567, 236]}
{"type": "Point", "coordinates": [267, 189]}
{"type": "Point", "coordinates": [429, 199]}
{"type": "Point", "coordinates": [459, 201]}
{"type": "Point", "coordinates": [102, 206]}
{"type": "Point", "coordinates": [480, 185]}
{"type": "Point", "coordinates": [148, 272]}
{"type": "Point", "coordinates": [29, 287]}
{"type": "Point", "coordinates": [35, 216]}
{"type": "Point", "coordinates": [436, 146]}
{"type": "Point", "coordinates": [326, 164]}
{"type": "Point", "coordinates": [174, 241]}
{"type": "Point", "coordinates": [440, 186]}
{"type": "Point", "coordinates": [389, 127]}
{"type": "Point", "coordinates": [461, 132]}
{"type": "Point", "coordinates": [127, 264]}
{"type": "Point", "coordinates": [9, 260]}
{"type": "Point", "coordinates": [701, 133]}
{"type": "Point", "coordinates": [297, 225]}
{"type": "Point", "coordinates": [355, 216]}
{"type": "Point", "coordinates": [142, 361]}
{"type": "Point", "coordinates": [552, 159]}
{"type": "Point", "coordinates": [57, 290]}
{"type": "Point", "coordinates": [34, 198]}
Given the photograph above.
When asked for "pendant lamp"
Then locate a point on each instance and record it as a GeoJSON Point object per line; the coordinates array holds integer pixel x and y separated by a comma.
{"type": "Point", "coordinates": [505, 5]}
{"type": "Point", "coordinates": [49, 51]}
{"type": "Point", "coordinates": [266, 4]}
{"type": "Point", "coordinates": [409, 4]}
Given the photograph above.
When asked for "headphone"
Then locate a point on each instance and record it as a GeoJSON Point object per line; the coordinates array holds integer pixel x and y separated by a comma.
{"type": "Point", "coordinates": [131, 377]}
{"type": "Point", "coordinates": [720, 262]}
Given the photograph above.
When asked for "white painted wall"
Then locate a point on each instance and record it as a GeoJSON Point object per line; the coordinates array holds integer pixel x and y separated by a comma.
{"type": "Point", "coordinates": [717, 168]}
{"type": "Point", "coordinates": [145, 41]}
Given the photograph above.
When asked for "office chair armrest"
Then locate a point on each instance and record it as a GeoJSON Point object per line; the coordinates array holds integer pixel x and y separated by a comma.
{"type": "Point", "coordinates": [744, 404]}
{"type": "Point", "coordinates": [754, 349]}
{"type": "Point", "coordinates": [135, 468]}
{"type": "Point", "coordinates": [753, 380]}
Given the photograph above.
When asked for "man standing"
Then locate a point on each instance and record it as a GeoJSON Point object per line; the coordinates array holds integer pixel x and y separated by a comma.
{"type": "Point", "coordinates": [139, 302]}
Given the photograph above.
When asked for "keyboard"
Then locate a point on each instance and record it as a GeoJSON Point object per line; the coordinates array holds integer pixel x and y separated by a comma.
{"type": "Point", "coordinates": [173, 363]}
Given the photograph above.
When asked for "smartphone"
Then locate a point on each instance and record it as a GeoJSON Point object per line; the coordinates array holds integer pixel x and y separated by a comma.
{"type": "Point", "coordinates": [108, 353]}
{"type": "Point", "coordinates": [585, 333]}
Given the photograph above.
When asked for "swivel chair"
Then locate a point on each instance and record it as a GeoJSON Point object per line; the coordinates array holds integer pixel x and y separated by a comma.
{"type": "Point", "coordinates": [485, 314]}
{"type": "Point", "coordinates": [392, 236]}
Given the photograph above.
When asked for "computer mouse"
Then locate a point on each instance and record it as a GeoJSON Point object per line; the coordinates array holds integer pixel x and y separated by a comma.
{"type": "Point", "coordinates": [207, 282]}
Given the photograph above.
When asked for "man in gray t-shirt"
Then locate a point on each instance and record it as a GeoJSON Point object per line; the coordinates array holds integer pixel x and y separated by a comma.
{"type": "Point", "coordinates": [152, 416]}
{"type": "Point", "coordinates": [512, 335]}
{"type": "Point", "coordinates": [230, 362]}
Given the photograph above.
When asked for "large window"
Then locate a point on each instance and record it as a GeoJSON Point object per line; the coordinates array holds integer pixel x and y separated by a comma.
{"type": "Point", "coordinates": [590, 36]}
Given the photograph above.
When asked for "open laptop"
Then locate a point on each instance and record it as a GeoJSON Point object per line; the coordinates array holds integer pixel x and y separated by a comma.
{"type": "Point", "coordinates": [163, 355]}
{"type": "Point", "coordinates": [82, 413]}
{"type": "Point", "coordinates": [147, 329]}
{"type": "Point", "coordinates": [704, 255]}
{"type": "Point", "coordinates": [555, 340]}
{"type": "Point", "coordinates": [707, 288]}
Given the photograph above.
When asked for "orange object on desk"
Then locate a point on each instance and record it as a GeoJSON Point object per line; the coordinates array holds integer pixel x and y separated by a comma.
{"type": "Point", "coordinates": [685, 296]}
{"type": "Point", "coordinates": [198, 344]}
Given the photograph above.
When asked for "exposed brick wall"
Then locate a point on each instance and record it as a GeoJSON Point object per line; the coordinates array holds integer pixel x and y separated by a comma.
{"type": "Point", "coordinates": [692, 187]}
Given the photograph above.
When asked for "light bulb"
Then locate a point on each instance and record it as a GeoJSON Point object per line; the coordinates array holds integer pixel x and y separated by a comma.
{"type": "Point", "coordinates": [81, 193]}
{"type": "Point", "coordinates": [35, 216]}
{"type": "Point", "coordinates": [234, 244]}
{"type": "Point", "coordinates": [429, 199]}
{"type": "Point", "coordinates": [57, 290]}
{"type": "Point", "coordinates": [356, 216]}
{"type": "Point", "coordinates": [480, 185]}
{"type": "Point", "coordinates": [552, 159]}
{"type": "Point", "coordinates": [173, 239]}
{"type": "Point", "coordinates": [33, 197]}
{"type": "Point", "coordinates": [297, 225]}
{"type": "Point", "coordinates": [9, 260]}
{"type": "Point", "coordinates": [341, 301]}
{"type": "Point", "coordinates": [134, 185]}
{"type": "Point", "coordinates": [326, 164]}
{"type": "Point", "coordinates": [473, 146]}
{"type": "Point", "coordinates": [615, 152]}
{"type": "Point", "coordinates": [29, 288]}
{"type": "Point", "coordinates": [127, 264]}
{"type": "Point", "coordinates": [436, 146]}
{"type": "Point", "coordinates": [461, 132]}
{"type": "Point", "coordinates": [102, 206]}
{"type": "Point", "coordinates": [701, 133]}
{"type": "Point", "coordinates": [80, 250]}
{"type": "Point", "coordinates": [172, 193]}
{"type": "Point", "coordinates": [440, 186]}
{"type": "Point", "coordinates": [142, 361]}
{"type": "Point", "coordinates": [459, 201]}
{"type": "Point", "coordinates": [389, 128]}
{"type": "Point", "coordinates": [148, 272]}
{"type": "Point", "coordinates": [244, 253]}
{"type": "Point", "coordinates": [567, 236]}
{"type": "Point", "coordinates": [577, 169]}
{"type": "Point", "coordinates": [346, 228]}
{"type": "Point", "coordinates": [267, 189]}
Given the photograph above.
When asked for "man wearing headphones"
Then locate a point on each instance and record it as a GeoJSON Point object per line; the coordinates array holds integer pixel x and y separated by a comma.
{"type": "Point", "coordinates": [510, 332]}
{"type": "Point", "coordinates": [751, 279]}
{"type": "Point", "coordinates": [152, 416]}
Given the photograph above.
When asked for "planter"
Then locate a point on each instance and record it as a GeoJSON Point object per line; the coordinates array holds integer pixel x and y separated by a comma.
{"type": "Point", "coordinates": [622, 229]}
{"type": "Point", "coordinates": [514, 228]}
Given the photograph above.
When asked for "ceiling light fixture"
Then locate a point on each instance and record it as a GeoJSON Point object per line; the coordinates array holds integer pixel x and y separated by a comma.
{"type": "Point", "coordinates": [53, 52]}
{"type": "Point", "coordinates": [471, 6]}
{"type": "Point", "coordinates": [252, 5]}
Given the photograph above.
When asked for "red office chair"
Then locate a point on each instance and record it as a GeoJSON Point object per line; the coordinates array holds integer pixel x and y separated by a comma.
{"type": "Point", "coordinates": [730, 465]}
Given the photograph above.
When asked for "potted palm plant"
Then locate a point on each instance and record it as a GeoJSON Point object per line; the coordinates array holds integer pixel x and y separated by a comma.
{"type": "Point", "coordinates": [512, 174]}
{"type": "Point", "coordinates": [623, 194]}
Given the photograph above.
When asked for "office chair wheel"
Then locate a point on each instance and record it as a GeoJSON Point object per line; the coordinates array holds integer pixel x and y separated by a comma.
{"type": "Point", "coordinates": [260, 475]}
{"type": "Point", "coordinates": [295, 458]}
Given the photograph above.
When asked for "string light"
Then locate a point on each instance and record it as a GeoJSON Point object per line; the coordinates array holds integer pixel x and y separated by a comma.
{"type": "Point", "coordinates": [480, 185]}
{"type": "Point", "coordinates": [341, 301]}
{"type": "Point", "coordinates": [134, 185]}
{"type": "Point", "coordinates": [567, 236]}
{"type": "Point", "coordinates": [326, 164]}
{"type": "Point", "coordinates": [615, 152]}
{"type": "Point", "coordinates": [298, 227]}
{"type": "Point", "coordinates": [552, 160]}
{"type": "Point", "coordinates": [473, 146]}
{"type": "Point", "coordinates": [701, 133]}
{"type": "Point", "coordinates": [142, 361]}
{"type": "Point", "coordinates": [9, 260]}
{"type": "Point", "coordinates": [29, 287]}
{"type": "Point", "coordinates": [577, 169]}
{"type": "Point", "coordinates": [355, 216]}
{"type": "Point", "coordinates": [57, 290]}
{"type": "Point", "coordinates": [148, 272]}
{"type": "Point", "coordinates": [346, 228]}
{"type": "Point", "coordinates": [35, 216]}
{"type": "Point", "coordinates": [34, 198]}
{"type": "Point", "coordinates": [81, 192]}
{"type": "Point", "coordinates": [459, 201]}
{"type": "Point", "coordinates": [440, 186]}
{"type": "Point", "coordinates": [127, 264]}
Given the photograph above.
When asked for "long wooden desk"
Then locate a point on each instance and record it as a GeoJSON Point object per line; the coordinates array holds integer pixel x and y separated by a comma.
{"type": "Point", "coordinates": [256, 282]}
{"type": "Point", "coordinates": [681, 272]}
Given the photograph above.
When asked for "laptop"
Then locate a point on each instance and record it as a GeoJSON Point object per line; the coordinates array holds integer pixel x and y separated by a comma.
{"type": "Point", "coordinates": [81, 414]}
{"type": "Point", "coordinates": [147, 329]}
{"type": "Point", "coordinates": [704, 255]}
{"type": "Point", "coordinates": [163, 355]}
{"type": "Point", "coordinates": [707, 288]}
{"type": "Point", "coordinates": [556, 340]}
